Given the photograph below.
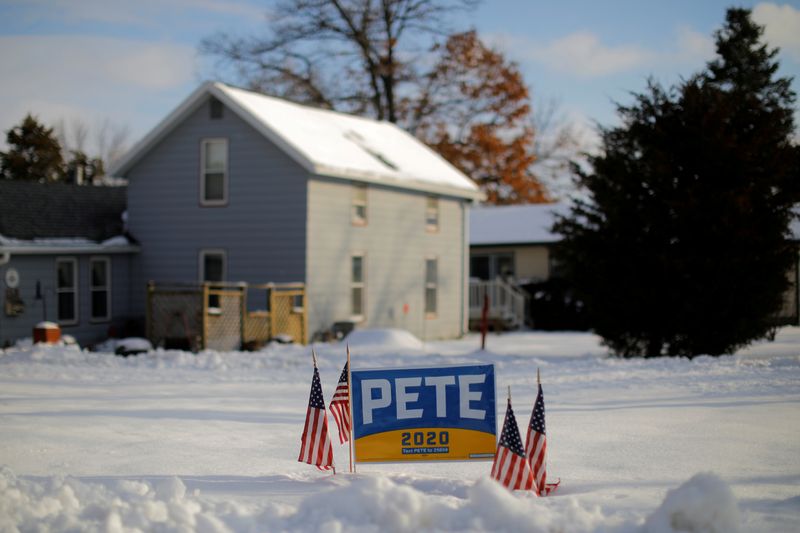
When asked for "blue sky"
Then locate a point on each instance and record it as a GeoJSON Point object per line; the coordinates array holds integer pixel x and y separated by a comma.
{"type": "Point", "coordinates": [133, 62]}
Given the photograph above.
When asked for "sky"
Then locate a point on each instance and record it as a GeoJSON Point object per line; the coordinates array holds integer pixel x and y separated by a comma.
{"type": "Point", "coordinates": [131, 63]}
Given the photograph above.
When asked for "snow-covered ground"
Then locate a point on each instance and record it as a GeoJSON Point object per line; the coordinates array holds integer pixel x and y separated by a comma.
{"type": "Point", "coordinates": [171, 441]}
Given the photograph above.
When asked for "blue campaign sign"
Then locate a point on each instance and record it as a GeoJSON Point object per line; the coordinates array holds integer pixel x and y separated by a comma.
{"type": "Point", "coordinates": [430, 414]}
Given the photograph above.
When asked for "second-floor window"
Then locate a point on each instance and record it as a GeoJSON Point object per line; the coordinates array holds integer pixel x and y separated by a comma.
{"type": "Point", "coordinates": [358, 213]}
{"type": "Point", "coordinates": [214, 172]}
{"type": "Point", "coordinates": [432, 214]}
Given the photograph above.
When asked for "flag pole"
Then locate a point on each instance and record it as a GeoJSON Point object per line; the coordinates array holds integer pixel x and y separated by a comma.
{"type": "Point", "coordinates": [314, 357]}
{"type": "Point", "coordinates": [350, 406]}
{"type": "Point", "coordinates": [538, 377]}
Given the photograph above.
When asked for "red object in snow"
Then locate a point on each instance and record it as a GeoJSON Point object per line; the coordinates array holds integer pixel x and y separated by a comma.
{"type": "Point", "coordinates": [47, 332]}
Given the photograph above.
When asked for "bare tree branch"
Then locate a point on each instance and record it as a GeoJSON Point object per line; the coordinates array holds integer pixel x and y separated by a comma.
{"type": "Point", "coordinates": [313, 44]}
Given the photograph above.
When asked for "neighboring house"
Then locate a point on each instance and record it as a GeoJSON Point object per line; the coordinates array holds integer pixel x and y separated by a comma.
{"type": "Point", "coordinates": [237, 186]}
{"type": "Point", "coordinates": [515, 244]}
{"type": "Point", "coordinates": [63, 258]}
{"type": "Point", "coordinates": [509, 247]}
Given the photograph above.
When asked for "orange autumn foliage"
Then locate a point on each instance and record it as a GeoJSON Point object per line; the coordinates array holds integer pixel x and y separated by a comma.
{"type": "Point", "coordinates": [473, 109]}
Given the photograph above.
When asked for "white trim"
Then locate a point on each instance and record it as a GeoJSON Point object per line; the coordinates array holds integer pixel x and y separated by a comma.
{"type": "Point", "coordinates": [93, 289]}
{"type": "Point", "coordinates": [432, 228]}
{"type": "Point", "coordinates": [203, 173]}
{"type": "Point", "coordinates": [74, 290]}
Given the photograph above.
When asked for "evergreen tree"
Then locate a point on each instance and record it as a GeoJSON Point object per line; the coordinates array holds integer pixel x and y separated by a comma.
{"type": "Point", "coordinates": [34, 153]}
{"type": "Point", "coordinates": [682, 244]}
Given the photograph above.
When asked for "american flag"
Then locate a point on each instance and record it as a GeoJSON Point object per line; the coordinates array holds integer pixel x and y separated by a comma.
{"type": "Point", "coordinates": [340, 406]}
{"type": "Point", "coordinates": [510, 465]}
{"type": "Point", "coordinates": [536, 444]}
{"type": "Point", "coordinates": [315, 448]}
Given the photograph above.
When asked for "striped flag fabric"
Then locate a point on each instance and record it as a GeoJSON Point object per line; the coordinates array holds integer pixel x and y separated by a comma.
{"type": "Point", "coordinates": [536, 446]}
{"type": "Point", "coordinates": [315, 448]}
{"type": "Point", "coordinates": [340, 406]}
{"type": "Point", "coordinates": [510, 466]}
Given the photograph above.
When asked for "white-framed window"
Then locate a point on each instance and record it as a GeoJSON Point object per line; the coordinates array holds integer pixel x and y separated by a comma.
{"type": "Point", "coordinates": [358, 211]}
{"type": "Point", "coordinates": [213, 267]}
{"type": "Point", "coordinates": [357, 286]}
{"type": "Point", "coordinates": [432, 214]}
{"type": "Point", "coordinates": [431, 286]}
{"type": "Point", "coordinates": [67, 290]}
{"type": "Point", "coordinates": [214, 172]}
{"type": "Point", "coordinates": [100, 288]}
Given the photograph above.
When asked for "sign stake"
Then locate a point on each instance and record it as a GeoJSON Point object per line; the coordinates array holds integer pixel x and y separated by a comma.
{"type": "Point", "coordinates": [350, 406]}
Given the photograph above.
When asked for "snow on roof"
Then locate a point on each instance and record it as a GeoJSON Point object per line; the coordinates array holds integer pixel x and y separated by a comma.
{"type": "Point", "coordinates": [328, 143]}
{"type": "Point", "coordinates": [513, 224]}
{"type": "Point", "coordinates": [530, 223]}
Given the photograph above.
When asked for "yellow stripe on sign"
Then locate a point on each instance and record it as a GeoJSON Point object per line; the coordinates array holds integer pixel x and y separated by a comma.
{"type": "Point", "coordinates": [426, 444]}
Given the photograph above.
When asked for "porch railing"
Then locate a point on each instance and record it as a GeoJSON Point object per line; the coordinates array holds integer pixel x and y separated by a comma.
{"type": "Point", "coordinates": [508, 304]}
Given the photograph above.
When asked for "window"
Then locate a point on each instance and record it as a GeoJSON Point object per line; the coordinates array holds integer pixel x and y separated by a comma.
{"type": "Point", "coordinates": [212, 268]}
{"type": "Point", "coordinates": [488, 266]}
{"type": "Point", "coordinates": [100, 289]}
{"type": "Point", "coordinates": [432, 214]}
{"type": "Point", "coordinates": [359, 206]}
{"type": "Point", "coordinates": [357, 287]}
{"type": "Point", "coordinates": [67, 290]}
{"type": "Point", "coordinates": [431, 282]}
{"type": "Point", "coordinates": [214, 172]}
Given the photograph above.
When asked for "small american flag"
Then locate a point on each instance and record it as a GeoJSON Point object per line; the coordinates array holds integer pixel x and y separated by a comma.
{"type": "Point", "coordinates": [510, 466]}
{"type": "Point", "coordinates": [536, 444]}
{"type": "Point", "coordinates": [340, 406]}
{"type": "Point", "coordinates": [315, 448]}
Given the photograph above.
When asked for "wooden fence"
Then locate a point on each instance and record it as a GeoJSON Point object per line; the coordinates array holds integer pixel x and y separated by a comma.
{"type": "Point", "coordinates": [225, 316]}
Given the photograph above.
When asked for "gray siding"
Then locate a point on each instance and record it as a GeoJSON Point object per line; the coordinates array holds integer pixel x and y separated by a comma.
{"type": "Point", "coordinates": [261, 229]}
{"type": "Point", "coordinates": [395, 245]}
{"type": "Point", "coordinates": [42, 268]}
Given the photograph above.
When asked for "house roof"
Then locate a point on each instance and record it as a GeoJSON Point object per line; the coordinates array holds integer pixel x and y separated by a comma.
{"type": "Point", "coordinates": [513, 224]}
{"type": "Point", "coordinates": [58, 215]}
{"type": "Point", "coordinates": [529, 224]}
{"type": "Point", "coordinates": [325, 143]}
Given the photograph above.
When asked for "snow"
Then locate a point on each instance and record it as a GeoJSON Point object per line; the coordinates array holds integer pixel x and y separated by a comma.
{"type": "Point", "coordinates": [175, 441]}
{"type": "Point", "coordinates": [348, 146]}
{"type": "Point", "coordinates": [66, 243]}
{"type": "Point", "coordinates": [514, 224]}
{"type": "Point", "coordinates": [387, 339]}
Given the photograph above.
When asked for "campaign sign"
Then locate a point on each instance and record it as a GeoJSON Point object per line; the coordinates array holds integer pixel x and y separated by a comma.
{"type": "Point", "coordinates": [424, 414]}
